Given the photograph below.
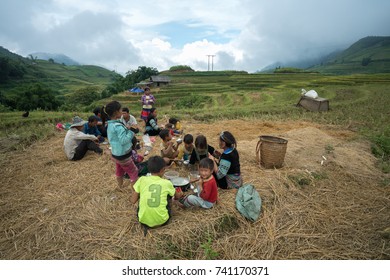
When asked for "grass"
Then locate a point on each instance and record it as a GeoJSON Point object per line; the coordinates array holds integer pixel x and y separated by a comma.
{"type": "Point", "coordinates": [18, 132]}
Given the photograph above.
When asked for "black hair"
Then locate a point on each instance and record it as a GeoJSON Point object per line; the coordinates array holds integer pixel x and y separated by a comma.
{"type": "Point", "coordinates": [169, 125]}
{"type": "Point", "coordinates": [201, 142]}
{"type": "Point", "coordinates": [103, 115]}
{"type": "Point", "coordinates": [150, 114]}
{"type": "Point", "coordinates": [173, 121]}
{"type": "Point", "coordinates": [147, 89]}
{"type": "Point", "coordinates": [112, 107]}
{"type": "Point", "coordinates": [164, 133]}
{"type": "Point", "coordinates": [206, 163]}
{"type": "Point", "coordinates": [228, 138]}
{"type": "Point", "coordinates": [134, 142]}
{"type": "Point", "coordinates": [125, 109]}
{"type": "Point", "coordinates": [188, 139]}
{"type": "Point", "coordinates": [156, 164]}
{"type": "Point", "coordinates": [92, 119]}
{"type": "Point", "coordinates": [97, 111]}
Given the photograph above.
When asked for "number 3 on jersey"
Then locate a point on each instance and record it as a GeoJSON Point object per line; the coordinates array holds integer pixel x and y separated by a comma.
{"type": "Point", "coordinates": [155, 196]}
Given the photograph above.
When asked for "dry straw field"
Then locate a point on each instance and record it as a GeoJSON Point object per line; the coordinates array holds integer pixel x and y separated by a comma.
{"type": "Point", "coordinates": [52, 208]}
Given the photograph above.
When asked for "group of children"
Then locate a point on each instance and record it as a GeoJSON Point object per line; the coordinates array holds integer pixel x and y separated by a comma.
{"type": "Point", "coordinates": [153, 193]}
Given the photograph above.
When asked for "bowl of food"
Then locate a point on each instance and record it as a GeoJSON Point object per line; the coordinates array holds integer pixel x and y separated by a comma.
{"type": "Point", "coordinates": [181, 182]}
{"type": "Point", "coordinates": [171, 174]}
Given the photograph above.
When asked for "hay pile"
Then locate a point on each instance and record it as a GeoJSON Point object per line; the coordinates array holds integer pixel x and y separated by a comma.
{"type": "Point", "coordinates": [52, 208]}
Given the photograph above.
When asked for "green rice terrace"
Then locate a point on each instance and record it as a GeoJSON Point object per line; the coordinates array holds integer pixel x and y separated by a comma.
{"type": "Point", "coordinates": [361, 99]}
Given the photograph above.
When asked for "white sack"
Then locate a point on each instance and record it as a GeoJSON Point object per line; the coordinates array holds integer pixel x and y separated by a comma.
{"type": "Point", "coordinates": [311, 93]}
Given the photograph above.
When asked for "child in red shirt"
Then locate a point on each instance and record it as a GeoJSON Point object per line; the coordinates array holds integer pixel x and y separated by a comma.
{"type": "Point", "coordinates": [207, 190]}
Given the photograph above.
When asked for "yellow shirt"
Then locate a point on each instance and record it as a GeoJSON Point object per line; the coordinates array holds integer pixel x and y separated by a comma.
{"type": "Point", "coordinates": [183, 151]}
{"type": "Point", "coordinates": [153, 199]}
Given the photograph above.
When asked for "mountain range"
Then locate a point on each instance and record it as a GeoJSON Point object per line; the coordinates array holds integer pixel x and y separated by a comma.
{"type": "Point", "coordinates": [368, 55]}
{"type": "Point", "coordinates": [56, 57]}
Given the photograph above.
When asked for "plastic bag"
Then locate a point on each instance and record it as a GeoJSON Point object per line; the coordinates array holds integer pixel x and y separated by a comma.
{"type": "Point", "coordinates": [311, 93]}
{"type": "Point", "coordinates": [248, 202]}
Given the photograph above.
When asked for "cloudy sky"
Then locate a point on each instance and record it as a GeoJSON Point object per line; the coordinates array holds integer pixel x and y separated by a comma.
{"type": "Point", "coordinates": [242, 34]}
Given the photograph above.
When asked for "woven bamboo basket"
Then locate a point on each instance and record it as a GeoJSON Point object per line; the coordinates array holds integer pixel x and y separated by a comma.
{"type": "Point", "coordinates": [270, 151]}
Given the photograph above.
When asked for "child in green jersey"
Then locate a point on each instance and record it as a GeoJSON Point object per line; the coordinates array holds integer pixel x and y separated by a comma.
{"type": "Point", "coordinates": [154, 195]}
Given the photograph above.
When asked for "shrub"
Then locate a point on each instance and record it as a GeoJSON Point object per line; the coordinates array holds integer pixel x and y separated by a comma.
{"type": "Point", "coordinates": [381, 145]}
{"type": "Point", "coordinates": [181, 68]}
{"type": "Point", "coordinates": [192, 101]}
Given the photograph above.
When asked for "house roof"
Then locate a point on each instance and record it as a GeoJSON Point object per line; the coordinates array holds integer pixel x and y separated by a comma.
{"type": "Point", "coordinates": [164, 79]}
{"type": "Point", "coordinates": [144, 83]}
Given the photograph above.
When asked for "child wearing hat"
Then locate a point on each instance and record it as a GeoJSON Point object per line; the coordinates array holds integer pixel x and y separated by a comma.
{"type": "Point", "coordinates": [77, 143]}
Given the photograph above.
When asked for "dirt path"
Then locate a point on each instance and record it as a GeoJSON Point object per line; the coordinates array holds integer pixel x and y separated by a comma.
{"type": "Point", "coordinates": [313, 208]}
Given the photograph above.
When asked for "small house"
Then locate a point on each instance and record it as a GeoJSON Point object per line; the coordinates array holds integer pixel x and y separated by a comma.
{"type": "Point", "coordinates": [160, 80]}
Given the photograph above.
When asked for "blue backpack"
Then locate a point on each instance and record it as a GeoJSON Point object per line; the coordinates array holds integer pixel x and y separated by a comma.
{"type": "Point", "coordinates": [248, 202]}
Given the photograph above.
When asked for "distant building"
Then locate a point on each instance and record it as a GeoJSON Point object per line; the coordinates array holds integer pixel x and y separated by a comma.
{"type": "Point", "coordinates": [144, 84]}
{"type": "Point", "coordinates": [160, 80]}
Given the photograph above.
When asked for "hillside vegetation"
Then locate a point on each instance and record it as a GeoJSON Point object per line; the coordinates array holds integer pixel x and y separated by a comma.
{"type": "Point", "coordinates": [368, 55]}
{"type": "Point", "coordinates": [18, 73]}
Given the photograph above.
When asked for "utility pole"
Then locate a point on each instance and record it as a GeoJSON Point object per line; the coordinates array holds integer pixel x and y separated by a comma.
{"type": "Point", "coordinates": [212, 62]}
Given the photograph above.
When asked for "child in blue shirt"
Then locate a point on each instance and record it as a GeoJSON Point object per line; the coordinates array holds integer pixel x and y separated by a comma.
{"type": "Point", "coordinates": [120, 139]}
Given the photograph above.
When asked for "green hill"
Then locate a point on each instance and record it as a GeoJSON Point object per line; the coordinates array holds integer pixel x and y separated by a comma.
{"type": "Point", "coordinates": [368, 55]}
{"type": "Point", "coordinates": [17, 73]}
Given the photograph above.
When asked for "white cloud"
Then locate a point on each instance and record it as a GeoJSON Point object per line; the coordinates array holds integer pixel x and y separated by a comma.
{"type": "Point", "coordinates": [243, 34]}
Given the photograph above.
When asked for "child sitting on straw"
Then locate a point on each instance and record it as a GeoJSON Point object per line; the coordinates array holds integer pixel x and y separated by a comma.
{"type": "Point", "coordinates": [170, 127]}
{"type": "Point", "coordinates": [120, 139]}
{"type": "Point", "coordinates": [186, 150]}
{"type": "Point", "coordinates": [154, 195]}
{"type": "Point", "coordinates": [151, 126]}
{"type": "Point", "coordinates": [228, 172]}
{"type": "Point", "coordinates": [168, 148]}
{"type": "Point", "coordinates": [202, 150]}
{"type": "Point", "coordinates": [207, 190]}
{"type": "Point", "coordinates": [176, 125]}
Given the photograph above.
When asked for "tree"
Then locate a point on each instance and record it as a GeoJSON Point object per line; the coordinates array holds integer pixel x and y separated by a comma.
{"type": "Point", "coordinates": [4, 69]}
{"type": "Point", "coordinates": [32, 57]}
{"type": "Point", "coordinates": [37, 96]}
{"type": "Point", "coordinates": [10, 69]}
{"type": "Point", "coordinates": [132, 77]}
{"type": "Point", "coordinates": [142, 73]}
